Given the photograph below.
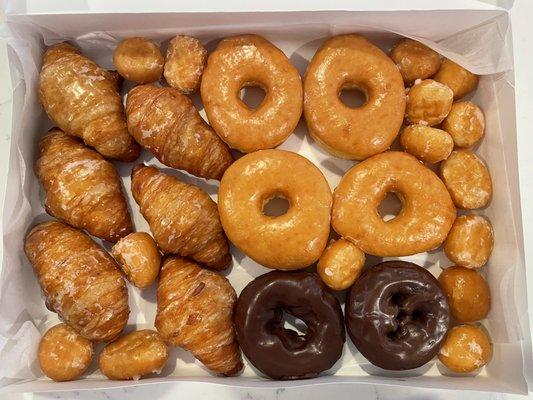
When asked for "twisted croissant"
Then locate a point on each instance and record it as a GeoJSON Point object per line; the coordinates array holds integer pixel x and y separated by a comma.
{"type": "Point", "coordinates": [165, 122]}
{"type": "Point", "coordinates": [194, 311]}
{"type": "Point", "coordinates": [80, 281]}
{"type": "Point", "coordinates": [81, 187]}
{"type": "Point", "coordinates": [182, 217]}
{"type": "Point", "coordinates": [83, 100]}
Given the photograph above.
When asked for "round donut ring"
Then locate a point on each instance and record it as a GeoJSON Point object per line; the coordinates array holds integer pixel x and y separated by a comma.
{"type": "Point", "coordinates": [347, 62]}
{"type": "Point", "coordinates": [293, 240]}
{"type": "Point", "coordinates": [276, 351]}
{"type": "Point", "coordinates": [423, 223]}
{"type": "Point", "coordinates": [250, 60]}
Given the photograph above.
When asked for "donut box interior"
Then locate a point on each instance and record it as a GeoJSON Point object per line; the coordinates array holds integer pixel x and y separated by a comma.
{"type": "Point", "coordinates": [479, 39]}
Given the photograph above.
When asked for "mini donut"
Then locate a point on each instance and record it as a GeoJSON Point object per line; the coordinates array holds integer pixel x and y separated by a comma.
{"type": "Point", "coordinates": [282, 353]}
{"type": "Point", "coordinates": [397, 315]}
{"type": "Point", "coordinates": [428, 102]}
{"type": "Point", "coordinates": [64, 354]}
{"type": "Point", "coordinates": [340, 264]}
{"type": "Point", "coordinates": [138, 60]}
{"type": "Point", "coordinates": [293, 240]}
{"type": "Point", "coordinates": [470, 241]}
{"type": "Point", "coordinates": [430, 145]}
{"type": "Point", "coordinates": [467, 179]}
{"type": "Point", "coordinates": [348, 62]}
{"type": "Point", "coordinates": [460, 80]}
{"type": "Point", "coordinates": [465, 349]}
{"type": "Point", "coordinates": [250, 60]}
{"type": "Point", "coordinates": [414, 60]}
{"type": "Point", "coordinates": [427, 210]}
{"type": "Point", "coordinates": [465, 123]}
{"type": "Point", "coordinates": [185, 63]}
{"type": "Point", "coordinates": [467, 292]}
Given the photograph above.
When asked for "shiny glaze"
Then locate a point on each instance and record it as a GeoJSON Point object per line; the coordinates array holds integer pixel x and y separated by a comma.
{"type": "Point", "coordinates": [184, 63]}
{"type": "Point", "coordinates": [414, 60]}
{"type": "Point", "coordinates": [430, 145]}
{"type": "Point", "coordinates": [428, 102]}
{"type": "Point", "coordinates": [465, 123]}
{"type": "Point", "coordinates": [351, 61]}
{"type": "Point", "coordinates": [290, 241]}
{"type": "Point", "coordinates": [422, 224]}
{"type": "Point", "coordinates": [397, 315]}
{"type": "Point", "coordinates": [340, 264]}
{"type": "Point", "coordinates": [276, 351]}
{"type": "Point", "coordinates": [456, 78]}
{"type": "Point", "coordinates": [250, 60]}
{"type": "Point", "coordinates": [138, 60]}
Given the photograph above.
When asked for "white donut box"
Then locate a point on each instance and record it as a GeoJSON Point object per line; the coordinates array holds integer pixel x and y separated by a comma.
{"type": "Point", "coordinates": [472, 33]}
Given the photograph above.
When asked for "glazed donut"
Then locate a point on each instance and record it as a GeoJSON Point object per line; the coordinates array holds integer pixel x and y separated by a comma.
{"type": "Point", "coordinates": [465, 123]}
{"type": "Point", "coordinates": [282, 353]}
{"type": "Point", "coordinates": [430, 145]}
{"type": "Point", "coordinates": [250, 60]}
{"type": "Point", "coordinates": [414, 60]}
{"type": "Point", "coordinates": [456, 78]}
{"type": "Point", "coordinates": [466, 349]}
{"type": "Point", "coordinates": [290, 241]}
{"type": "Point", "coordinates": [347, 62]}
{"type": "Point", "coordinates": [397, 315]}
{"type": "Point", "coordinates": [427, 210]}
{"type": "Point", "coordinates": [340, 264]}
{"type": "Point", "coordinates": [428, 102]}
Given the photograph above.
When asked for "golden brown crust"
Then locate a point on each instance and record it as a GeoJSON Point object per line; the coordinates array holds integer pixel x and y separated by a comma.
{"type": "Point", "coordinates": [414, 60]}
{"type": "Point", "coordinates": [470, 241]}
{"type": "Point", "coordinates": [430, 145]}
{"type": "Point", "coordinates": [80, 281]}
{"type": "Point", "coordinates": [465, 123]}
{"type": "Point", "coordinates": [340, 264]}
{"type": "Point", "coordinates": [166, 123]}
{"type": "Point", "coordinates": [81, 187]}
{"type": "Point", "coordinates": [194, 311]}
{"type": "Point", "coordinates": [428, 102]}
{"type": "Point", "coordinates": [184, 63]}
{"type": "Point", "coordinates": [134, 355]}
{"type": "Point", "coordinates": [456, 78]}
{"type": "Point", "coordinates": [465, 349]}
{"type": "Point", "coordinates": [138, 60]}
{"type": "Point", "coordinates": [182, 217]}
{"type": "Point", "coordinates": [82, 99]}
{"type": "Point", "coordinates": [63, 354]}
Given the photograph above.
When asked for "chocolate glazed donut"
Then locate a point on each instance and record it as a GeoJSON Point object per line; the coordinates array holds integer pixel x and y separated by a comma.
{"type": "Point", "coordinates": [282, 353]}
{"type": "Point", "coordinates": [397, 315]}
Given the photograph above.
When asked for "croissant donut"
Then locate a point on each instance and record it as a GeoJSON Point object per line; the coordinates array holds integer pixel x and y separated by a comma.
{"type": "Point", "coordinates": [194, 311]}
{"type": "Point", "coordinates": [182, 217]}
{"type": "Point", "coordinates": [81, 187]}
{"type": "Point", "coordinates": [83, 100]}
{"type": "Point", "coordinates": [166, 123]}
{"type": "Point", "coordinates": [80, 281]}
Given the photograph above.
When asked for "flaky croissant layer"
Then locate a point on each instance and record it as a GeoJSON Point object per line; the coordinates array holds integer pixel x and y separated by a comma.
{"type": "Point", "coordinates": [194, 311]}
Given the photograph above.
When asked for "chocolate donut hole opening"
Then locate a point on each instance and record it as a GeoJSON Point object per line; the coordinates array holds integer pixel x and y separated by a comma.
{"type": "Point", "coordinates": [252, 96]}
{"type": "Point", "coordinates": [390, 207]}
{"type": "Point", "coordinates": [276, 205]}
{"type": "Point", "coordinates": [292, 323]}
{"type": "Point", "coordinates": [352, 96]}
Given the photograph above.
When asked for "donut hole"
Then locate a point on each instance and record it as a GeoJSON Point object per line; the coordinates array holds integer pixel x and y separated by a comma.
{"type": "Point", "coordinates": [419, 315]}
{"type": "Point", "coordinates": [252, 95]}
{"type": "Point", "coordinates": [294, 324]}
{"type": "Point", "coordinates": [352, 96]}
{"type": "Point", "coordinates": [275, 205]}
{"type": "Point", "coordinates": [390, 206]}
{"type": "Point", "coordinates": [398, 298]}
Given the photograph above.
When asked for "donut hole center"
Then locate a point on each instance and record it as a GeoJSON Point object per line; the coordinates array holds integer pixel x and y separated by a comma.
{"type": "Point", "coordinates": [294, 324]}
{"type": "Point", "coordinates": [353, 96]}
{"type": "Point", "coordinates": [252, 95]}
{"type": "Point", "coordinates": [275, 205]}
{"type": "Point", "coordinates": [390, 206]}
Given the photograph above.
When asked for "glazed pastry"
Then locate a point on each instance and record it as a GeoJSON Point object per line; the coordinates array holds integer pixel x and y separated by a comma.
{"type": "Point", "coordinates": [467, 292]}
{"type": "Point", "coordinates": [466, 349]}
{"type": "Point", "coordinates": [138, 60]}
{"type": "Point", "coordinates": [167, 124]}
{"type": "Point", "coordinates": [63, 354]}
{"type": "Point", "coordinates": [456, 78]}
{"type": "Point", "coordinates": [81, 187]}
{"type": "Point", "coordinates": [397, 315]}
{"type": "Point", "coordinates": [194, 309]}
{"type": "Point", "coordinates": [185, 63]}
{"type": "Point", "coordinates": [470, 241]}
{"type": "Point", "coordinates": [134, 355]}
{"type": "Point", "coordinates": [83, 100]}
{"type": "Point", "coordinates": [352, 62]}
{"type": "Point", "coordinates": [282, 353]}
{"type": "Point", "coordinates": [414, 60]}
{"type": "Point", "coordinates": [428, 103]}
{"type": "Point", "coordinates": [139, 258]}
{"type": "Point", "coordinates": [250, 60]}
{"type": "Point", "coordinates": [430, 145]}
{"type": "Point", "coordinates": [467, 179]}
{"type": "Point", "coordinates": [340, 264]}
{"type": "Point", "coordinates": [80, 281]}
{"type": "Point", "coordinates": [427, 210]}
{"type": "Point", "coordinates": [465, 123]}
{"type": "Point", "coordinates": [182, 217]}
{"type": "Point", "coordinates": [290, 241]}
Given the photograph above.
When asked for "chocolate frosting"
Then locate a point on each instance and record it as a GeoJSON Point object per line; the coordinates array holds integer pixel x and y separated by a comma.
{"type": "Point", "coordinates": [282, 353]}
{"type": "Point", "coordinates": [397, 315]}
